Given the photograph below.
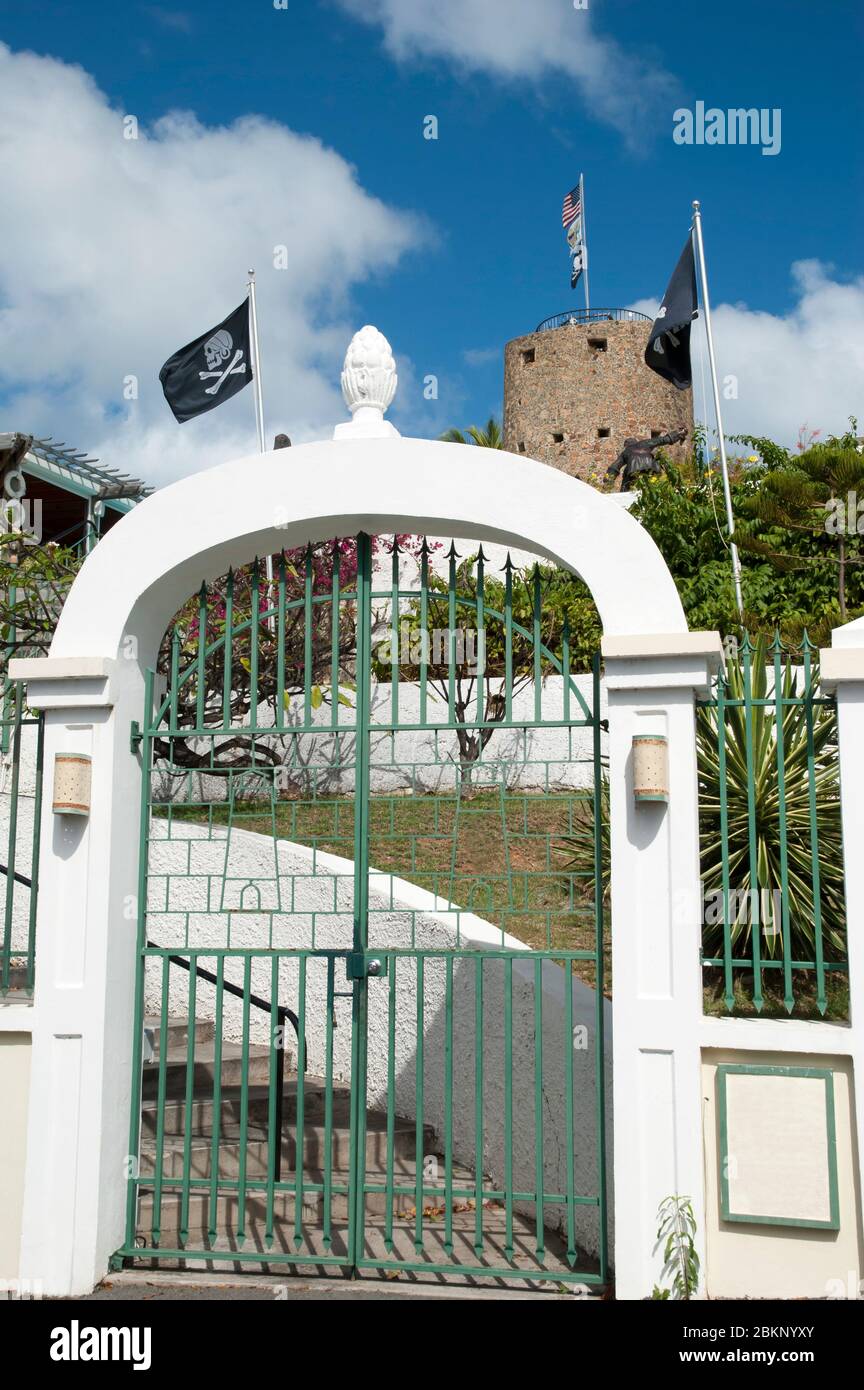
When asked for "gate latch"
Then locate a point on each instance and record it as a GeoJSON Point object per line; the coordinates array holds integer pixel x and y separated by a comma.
{"type": "Point", "coordinates": [359, 965]}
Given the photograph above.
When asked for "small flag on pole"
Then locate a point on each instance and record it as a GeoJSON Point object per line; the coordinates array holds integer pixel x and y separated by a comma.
{"type": "Point", "coordinates": [572, 207]}
{"type": "Point", "coordinates": [572, 222]}
{"type": "Point", "coordinates": [668, 350]}
{"type": "Point", "coordinates": [211, 369]}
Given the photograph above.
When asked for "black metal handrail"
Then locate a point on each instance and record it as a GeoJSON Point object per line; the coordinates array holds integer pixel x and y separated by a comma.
{"type": "Point", "coordinates": [282, 1013]}
{"type": "Point", "coordinates": [592, 316]}
{"type": "Point", "coordinates": [19, 878]}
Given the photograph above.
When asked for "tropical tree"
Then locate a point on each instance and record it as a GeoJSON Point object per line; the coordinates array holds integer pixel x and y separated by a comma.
{"type": "Point", "coordinates": [244, 597]}
{"type": "Point", "coordinates": [474, 678]}
{"type": "Point", "coordinates": [248, 597]}
{"type": "Point", "coordinates": [813, 497]}
{"type": "Point", "coordinates": [489, 437]}
{"type": "Point", "coordinates": [684, 513]}
{"type": "Point", "coordinates": [34, 583]}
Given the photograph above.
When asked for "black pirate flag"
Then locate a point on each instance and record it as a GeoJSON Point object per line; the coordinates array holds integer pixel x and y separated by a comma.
{"type": "Point", "coordinates": [668, 350]}
{"type": "Point", "coordinates": [205, 373]}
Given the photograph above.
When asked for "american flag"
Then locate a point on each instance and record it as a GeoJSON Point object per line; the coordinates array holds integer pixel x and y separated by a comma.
{"type": "Point", "coordinates": [572, 207]}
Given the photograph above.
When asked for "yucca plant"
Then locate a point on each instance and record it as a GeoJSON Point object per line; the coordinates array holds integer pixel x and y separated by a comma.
{"type": "Point", "coordinates": [577, 850]}
{"type": "Point", "coordinates": [759, 667]}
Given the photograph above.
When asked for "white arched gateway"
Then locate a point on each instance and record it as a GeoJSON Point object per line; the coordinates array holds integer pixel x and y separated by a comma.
{"type": "Point", "coordinates": [367, 481]}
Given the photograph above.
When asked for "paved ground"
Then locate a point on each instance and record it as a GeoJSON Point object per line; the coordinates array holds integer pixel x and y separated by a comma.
{"type": "Point", "coordinates": [135, 1286]}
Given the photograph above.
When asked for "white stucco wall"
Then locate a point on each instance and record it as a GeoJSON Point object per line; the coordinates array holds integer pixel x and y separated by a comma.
{"type": "Point", "coordinates": [14, 1103]}
{"type": "Point", "coordinates": [400, 915]}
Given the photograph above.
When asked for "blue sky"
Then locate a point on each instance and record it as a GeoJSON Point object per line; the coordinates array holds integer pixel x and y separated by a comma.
{"type": "Point", "coordinates": [481, 255]}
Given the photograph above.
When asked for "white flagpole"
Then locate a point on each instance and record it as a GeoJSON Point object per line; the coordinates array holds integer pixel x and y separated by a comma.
{"type": "Point", "coordinates": [706, 309]}
{"type": "Point", "coordinates": [256, 382]}
{"type": "Point", "coordinates": [256, 364]}
{"type": "Point", "coordinates": [584, 242]}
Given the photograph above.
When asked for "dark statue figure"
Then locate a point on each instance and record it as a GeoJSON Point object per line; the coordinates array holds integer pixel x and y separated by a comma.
{"type": "Point", "coordinates": [637, 457]}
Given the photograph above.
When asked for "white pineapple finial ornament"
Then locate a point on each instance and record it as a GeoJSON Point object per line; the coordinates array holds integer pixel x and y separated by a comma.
{"type": "Point", "coordinates": [368, 384]}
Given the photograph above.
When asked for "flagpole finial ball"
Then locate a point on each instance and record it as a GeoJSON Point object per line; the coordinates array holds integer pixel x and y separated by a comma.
{"type": "Point", "coordinates": [369, 375]}
{"type": "Point", "coordinates": [696, 205]}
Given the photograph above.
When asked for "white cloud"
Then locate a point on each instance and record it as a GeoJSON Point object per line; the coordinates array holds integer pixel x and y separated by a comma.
{"type": "Point", "coordinates": [481, 357]}
{"type": "Point", "coordinates": [526, 40]}
{"type": "Point", "coordinates": [177, 20]}
{"type": "Point", "coordinates": [805, 367]}
{"type": "Point", "coordinates": [116, 252]}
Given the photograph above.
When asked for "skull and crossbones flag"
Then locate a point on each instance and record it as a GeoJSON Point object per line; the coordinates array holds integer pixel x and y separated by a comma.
{"type": "Point", "coordinates": [668, 350]}
{"type": "Point", "coordinates": [205, 373]}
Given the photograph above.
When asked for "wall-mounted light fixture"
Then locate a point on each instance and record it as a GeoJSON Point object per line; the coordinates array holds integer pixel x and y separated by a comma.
{"type": "Point", "coordinates": [72, 784]}
{"type": "Point", "coordinates": [650, 767]}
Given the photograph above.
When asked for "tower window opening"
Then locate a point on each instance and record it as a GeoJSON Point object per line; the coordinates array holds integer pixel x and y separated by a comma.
{"type": "Point", "coordinates": [521, 446]}
{"type": "Point", "coordinates": [603, 432]}
{"type": "Point", "coordinates": [655, 434]}
{"type": "Point", "coordinates": [557, 437]}
{"type": "Point", "coordinates": [598, 344]}
{"type": "Point", "coordinates": [527, 355]}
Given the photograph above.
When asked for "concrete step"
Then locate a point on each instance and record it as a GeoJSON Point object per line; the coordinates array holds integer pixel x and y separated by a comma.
{"type": "Point", "coordinates": [230, 1071]}
{"type": "Point", "coordinates": [312, 1209]}
{"type": "Point", "coordinates": [314, 1150]}
{"type": "Point", "coordinates": [178, 1033]}
{"type": "Point", "coordinates": [251, 1254]}
{"type": "Point", "coordinates": [314, 1103]}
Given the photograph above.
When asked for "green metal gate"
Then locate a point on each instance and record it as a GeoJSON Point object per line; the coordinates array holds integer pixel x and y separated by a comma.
{"type": "Point", "coordinates": [22, 741]}
{"type": "Point", "coordinates": [370, 995]}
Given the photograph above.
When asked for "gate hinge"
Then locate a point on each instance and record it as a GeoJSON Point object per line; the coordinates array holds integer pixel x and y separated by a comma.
{"type": "Point", "coordinates": [135, 736]}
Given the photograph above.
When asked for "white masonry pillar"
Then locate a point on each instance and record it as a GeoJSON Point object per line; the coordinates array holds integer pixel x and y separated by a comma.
{"type": "Point", "coordinates": [80, 1080]}
{"type": "Point", "coordinates": [842, 672]}
{"type": "Point", "coordinates": [656, 973]}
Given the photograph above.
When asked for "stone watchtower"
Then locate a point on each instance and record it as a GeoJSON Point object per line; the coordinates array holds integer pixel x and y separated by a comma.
{"type": "Point", "coordinates": [578, 386]}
